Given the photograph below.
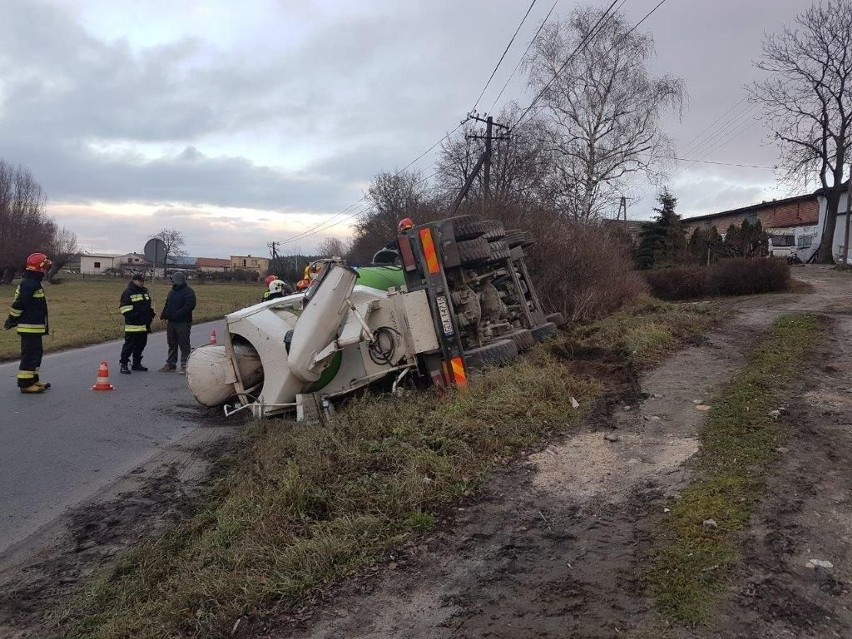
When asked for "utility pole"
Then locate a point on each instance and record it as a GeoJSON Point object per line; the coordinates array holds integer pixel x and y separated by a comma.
{"type": "Point", "coordinates": [484, 161]}
{"type": "Point", "coordinates": [272, 246]}
{"type": "Point", "coordinates": [622, 207]}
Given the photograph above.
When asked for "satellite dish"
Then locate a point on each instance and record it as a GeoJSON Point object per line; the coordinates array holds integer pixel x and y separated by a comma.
{"type": "Point", "coordinates": [155, 250]}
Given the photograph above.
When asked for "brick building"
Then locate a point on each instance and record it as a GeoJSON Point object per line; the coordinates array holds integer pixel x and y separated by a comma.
{"type": "Point", "coordinates": [791, 212]}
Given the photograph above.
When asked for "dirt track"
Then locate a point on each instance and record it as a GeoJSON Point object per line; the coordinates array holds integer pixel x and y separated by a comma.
{"type": "Point", "coordinates": [556, 545]}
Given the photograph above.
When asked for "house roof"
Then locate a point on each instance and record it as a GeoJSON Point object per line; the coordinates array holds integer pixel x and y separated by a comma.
{"type": "Point", "coordinates": [753, 207]}
{"type": "Point", "coordinates": [210, 262]}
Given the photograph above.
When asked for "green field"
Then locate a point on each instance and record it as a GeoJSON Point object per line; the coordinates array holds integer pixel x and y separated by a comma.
{"type": "Point", "coordinates": [85, 311]}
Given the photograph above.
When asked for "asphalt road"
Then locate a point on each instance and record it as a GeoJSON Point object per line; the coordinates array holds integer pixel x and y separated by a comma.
{"type": "Point", "coordinates": [63, 446]}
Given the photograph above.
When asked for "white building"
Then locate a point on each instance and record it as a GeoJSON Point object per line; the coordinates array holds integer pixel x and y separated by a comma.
{"type": "Point", "coordinates": [98, 263]}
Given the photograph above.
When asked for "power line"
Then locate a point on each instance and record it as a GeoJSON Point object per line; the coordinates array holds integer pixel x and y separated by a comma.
{"type": "Point", "coordinates": [520, 61]}
{"type": "Point", "coordinates": [592, 32]}
{"type": "Point", "coordinates": [500, 61]}
{"type": "Point", "coordinates": [745, 166]}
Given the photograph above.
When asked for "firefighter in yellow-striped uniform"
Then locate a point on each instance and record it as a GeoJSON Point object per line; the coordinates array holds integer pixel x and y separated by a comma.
{"type": "Point", "coordinates": [28, 315]}
{"type": "Point", "coordinates": [138, 313]}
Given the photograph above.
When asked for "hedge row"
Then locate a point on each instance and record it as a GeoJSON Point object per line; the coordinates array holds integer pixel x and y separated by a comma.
{"type": "Point", "coordinates": [738, 276]}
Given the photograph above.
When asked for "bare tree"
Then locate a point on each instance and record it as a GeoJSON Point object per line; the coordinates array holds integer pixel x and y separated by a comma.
{"type": "Point", "coordinates": [61, 250]}
{"type": "Point", "coordinates": [601, 106]}
{"type": "Point", "coordinates": [390, 197]}
{"type": "Point", "coordinates": [24, 227]}
{"type": "Point", "coordinates": [333, 247]}
{"type": "Point", "coordinates": [174, 241]}
{"type": "Point", "coordinates": [808, 101]}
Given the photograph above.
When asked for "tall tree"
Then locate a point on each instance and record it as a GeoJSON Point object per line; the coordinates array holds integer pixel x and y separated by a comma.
{"type": "Point", "coordinates": [174, 241]}
{"type": "Point", "coordinates": [390, 197]}
{"type": "Point", "coordinates": [807, 101]}
{"type": "Point", "coordinates": [24, 226]}
{"type": "Point", "coordinates": [601, 105]}
{"type": "Point", "coordinates": [61, 250]}
{"type": "Point", "coordinates": [662, 243]}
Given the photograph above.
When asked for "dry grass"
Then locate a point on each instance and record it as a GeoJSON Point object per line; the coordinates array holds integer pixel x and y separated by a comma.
{"type": "Point", "coordinates": [311, 504]}
{"type": "Point", "coordinates": [85, 311]}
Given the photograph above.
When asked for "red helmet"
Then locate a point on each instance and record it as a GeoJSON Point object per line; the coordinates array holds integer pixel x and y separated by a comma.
{"type": "Point", "coordinates": [269, 279]}
{"type": "Point", "coordinates": [38, 262]}
{"type": "Point", "coordinates": [404, 224]}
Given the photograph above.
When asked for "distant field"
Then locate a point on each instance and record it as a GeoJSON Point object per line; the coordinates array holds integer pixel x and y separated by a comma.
{"type": "Point", "coordinates": [85, 311]}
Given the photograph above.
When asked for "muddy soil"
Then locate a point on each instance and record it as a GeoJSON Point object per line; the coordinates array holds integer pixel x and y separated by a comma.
{"type": "Point", "coordinates": [558, 543]}
{"type": "Point", "coordinates": [38, 578]}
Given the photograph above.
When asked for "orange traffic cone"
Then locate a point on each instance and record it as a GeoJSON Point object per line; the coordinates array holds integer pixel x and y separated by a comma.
{"type": "Point", "coordinates": [213, 339]}
{"type": "Point", "coordinates": [102, 383]}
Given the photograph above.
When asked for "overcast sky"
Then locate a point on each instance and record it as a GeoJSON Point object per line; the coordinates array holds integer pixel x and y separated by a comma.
{"type": "Point", "coordinates": [243, 123]}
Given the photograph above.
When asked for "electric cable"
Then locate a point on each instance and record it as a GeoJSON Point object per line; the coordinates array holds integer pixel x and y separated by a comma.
{"type": "Point", "coordinates": [505, 51]}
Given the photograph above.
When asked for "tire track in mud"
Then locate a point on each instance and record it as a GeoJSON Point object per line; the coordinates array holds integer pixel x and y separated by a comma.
{"type": "Point", "coordinates": [557, 544]}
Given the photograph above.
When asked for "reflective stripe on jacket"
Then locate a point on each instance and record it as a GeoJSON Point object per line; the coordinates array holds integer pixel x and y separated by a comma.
{"type": "Point", "coordinates": [135, 305]}
{"type": "Point", "coordinates": [29, 308]}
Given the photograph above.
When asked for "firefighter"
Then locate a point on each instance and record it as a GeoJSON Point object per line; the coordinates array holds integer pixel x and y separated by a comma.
{"type": "Point", "coordinates": [276, 288]}
{"type": "Point", "coordinates": [28, 315]}
{"type": "Point", "coordinates": [138, 313]}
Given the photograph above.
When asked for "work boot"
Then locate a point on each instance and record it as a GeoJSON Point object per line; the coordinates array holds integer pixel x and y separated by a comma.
{"type": "Point", "coordinates": [138, 367]}
{"type": "Point", "coordinates": [168, 368]}
{"type": "Point", "coordinates": [44, 385]}
{"type": "Point", "coordinates": [33, 389]}
{"type": "Point", "coordinates": [125, 369]}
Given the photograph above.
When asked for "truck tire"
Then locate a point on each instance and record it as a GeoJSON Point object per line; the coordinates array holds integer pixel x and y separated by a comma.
{"type": "Point", "coordinates": [474, 252]}
{"type": "Point", "coordinates": [466, 227]}
{"type": "Point", "coordinates": [515, 237]}
{"type": "Point", "coordinates": [500, 251]}
{"type": "Point", "coordinates": [523, 339]}
{"type": "Point", "coordinates": [494, 230]}
{"type": "Point", "coordinates": [497, 354]}
{"type": "Point", "coordinates": [544, 331]}
{"type": "Point", "coordinates": [556, 318]}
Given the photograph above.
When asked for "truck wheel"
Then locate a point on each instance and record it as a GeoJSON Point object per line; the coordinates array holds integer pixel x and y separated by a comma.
{"type": "Point", "coordinates": [497, 354]}
{"type": "Point", "coordinates": [523, 339]}
{"type": "Point", "coordinates": [544, 331]}
{"type": "Point", "coordinates": [473, 252]}
{"type": "Point", "coordinates": [556, 318]}
{"type": "Point", "coordinates": [500, 251]}
{"type": "Point", "coordinates": [466, 227]}
{"type": "Point", "coordinates": [494, 230]}
{"type": "Point", "coordinates": [515, 237]}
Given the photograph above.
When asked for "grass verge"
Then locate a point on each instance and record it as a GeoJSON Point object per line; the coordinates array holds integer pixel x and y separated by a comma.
{"type": "Point", "coordinates": [693, 561]}
{"type": "Point", "coordinates": [306, 505]}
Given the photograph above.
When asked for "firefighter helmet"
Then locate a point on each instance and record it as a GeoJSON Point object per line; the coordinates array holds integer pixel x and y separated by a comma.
{"type": "Point", "coordinates": [276, 286]}
{"type": "Point", "coordinates": [269, 279]}
{"type": "Point", "coordinates": [404, 224]}
{"type": "Point", "coordinates": [38, 262]}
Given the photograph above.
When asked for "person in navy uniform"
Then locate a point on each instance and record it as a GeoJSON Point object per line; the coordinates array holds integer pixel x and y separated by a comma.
{"type": "Point", "coordinates": [138, 313]}
{"type": "Point", "coordinates": [28, 315]}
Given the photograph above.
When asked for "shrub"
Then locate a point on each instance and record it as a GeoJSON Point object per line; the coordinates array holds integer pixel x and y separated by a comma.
{"type": "Point", "coordinates": [681, 283]}
{"type": "Point", "coordinates": [737, 276]}
{"type": "Point", "coordinates": [582, 270]}
{"type": "Point", "coordinates": [741, 276]}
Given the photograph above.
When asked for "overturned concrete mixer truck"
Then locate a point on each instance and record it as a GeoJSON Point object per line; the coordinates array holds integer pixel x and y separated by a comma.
{"type": "Point", "coordinates": [458, 297]}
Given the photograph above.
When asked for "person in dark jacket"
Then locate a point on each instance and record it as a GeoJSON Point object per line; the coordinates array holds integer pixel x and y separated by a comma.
{"type": "Point", "coordinates": [28, 315]}
{"type": "Point", "coordinates": [178, 313]}
{"type": "Point", "coordinates": [138, 313]}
